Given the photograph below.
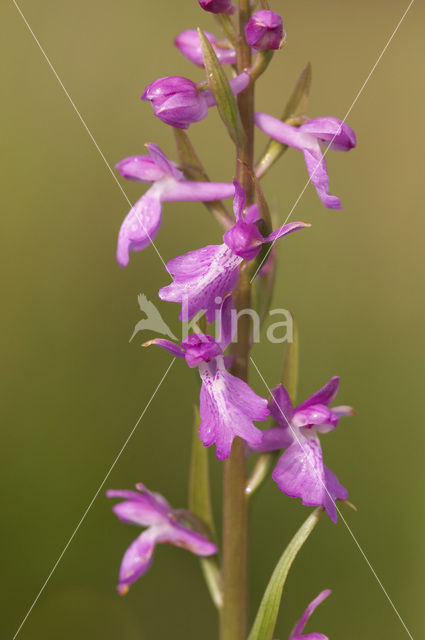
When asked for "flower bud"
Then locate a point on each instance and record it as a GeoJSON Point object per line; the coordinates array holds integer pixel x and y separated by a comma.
{"type": "Point", "coordinates": [265, 30]}
{"type": "Point", "coordinates": [176, 101]}
{"type": "Point", "coordinates": [217, 6]}
{"type": "Point", "coordinates": [189, 44]}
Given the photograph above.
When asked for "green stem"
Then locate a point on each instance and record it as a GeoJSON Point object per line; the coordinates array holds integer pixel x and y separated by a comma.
{"type": "Point", "coordinates": [233, 621]}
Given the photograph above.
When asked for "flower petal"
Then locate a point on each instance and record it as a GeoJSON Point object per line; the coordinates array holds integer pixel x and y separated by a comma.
{"type": "Point", "coordinates": [335, 491]}
{"type": "Point", "coordinates": [180, 536]}
{"type": "Point", "coordinates": [140, 168]}
{"type": "Point", "coordinates": [299, 627]}
{"type": "Point", "coordinates": [171, 347]}
{"type": "Point", "coordinates": [228, 406]}
{"type": "Point", "coordinates": [274, 439]}
{"type": "Point", "coordinates": [201, 277]}
{"type": "Point", "coordinates": [317, 170]}
{"type": "Point", "coordinates": [281, 406]}
{"type": "Point", "coordinates": [239, 200]}
{"type": "Point", "coordinates": [281, 131]}
{"type": "Point", "coordinates": [331, 130]}
{"type": "Point", "coordinates": [140, 225]}
{"type": "Point", "coordinates": [159, 157]}
{"type": "Point", "coordinates": [285, 230]}
{"type": "Point", "coordinates": [300, 472]}
{"type": "Point", "coordinates": [187, 191]}
{"type": "Point", "coordinates": [317, 414]}
{"type": "Point", "coordinates": [139, 512]}
{"type": "Point", "coordinates": [325, 395]}
{"type": "Point", "coordinates": [189, 45]}
{"type": "Point", "coordinates": [137, 559]}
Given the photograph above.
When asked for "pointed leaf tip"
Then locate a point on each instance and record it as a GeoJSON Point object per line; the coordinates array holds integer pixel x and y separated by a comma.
{"type": "Point", "coordinates": [220, 88]}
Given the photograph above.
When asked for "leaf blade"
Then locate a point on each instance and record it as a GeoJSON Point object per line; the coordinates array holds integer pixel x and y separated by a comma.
{"type": "Point", "coordinates": [220, 88]}
{"type": "Point", "coordinates": [266, 618]}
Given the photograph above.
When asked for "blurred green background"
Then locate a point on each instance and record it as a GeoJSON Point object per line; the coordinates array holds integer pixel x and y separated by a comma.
{"type": "Point", "coordinates": [73, 387]}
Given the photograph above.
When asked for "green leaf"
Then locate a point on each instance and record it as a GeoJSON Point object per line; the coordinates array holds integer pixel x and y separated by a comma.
{"type": "Point", "coordinates": [220, 88]}
{"type": "Point", "coordinates": [299, 96]}
{"type": "Point", "coordinates": [193, 170]}
{"type": "Point", "coordinates": [265, 620]}
{"type": "Point", "coordinates": [200, 505]}
{"type": "Point", "coordinates": [294, 108]}
{"type": "Point", "coordinates": [291, 363]}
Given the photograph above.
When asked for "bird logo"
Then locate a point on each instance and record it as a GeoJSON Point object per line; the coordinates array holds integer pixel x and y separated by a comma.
{"type": "Point", "coordinates": [153, 321]}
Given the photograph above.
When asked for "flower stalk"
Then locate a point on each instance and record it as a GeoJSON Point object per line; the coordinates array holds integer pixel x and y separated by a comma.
{"type": "Point", "coordinates": [233, 619]}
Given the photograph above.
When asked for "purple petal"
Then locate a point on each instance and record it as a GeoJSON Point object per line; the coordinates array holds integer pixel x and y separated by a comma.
{"type": "Point", "coordinates": [140, 168]}
{"type": "Point", "coordinates": [285, 230]}
{"type": "Point", "coordinates": [240, 82]}
{"type": "Point", "coordinates": [299, 627]}
{"type": "Point", "coordinates": [251, 214]}
{"type": "Point", "coordinates": [181, 110]}
{"type": "Point", "coordinates": [325, 395]}
{"type": "Point", "coordinates": [317, 414]}
{"type": "Point", "coordinates": [186, 191]}
{"type": "Point", "coordinates": [281, 131]}
{"type": "Point", "coordinates": [139, 512]}
{"type": "Point", "coordinates": [343, 411]}
{"type": "Point", "coordinates": [310, 636]}
{"type": "Point", "coordinates": [281, 406]}
{"type": "Point", "coordinates": [228, 406]}
{"type": "Point", "coordinates": [180, 536]}
{"type": "Point", "coordinates": [140, 226]}
{"type": "Point", "coordinates": [317, 170]}
{"type": "Point", "coordinates": [189, 45]}
{"type": "Point", "coordinates": [137, 559]}
{"type": "Point", "coordinates": [300, 472]}
{"type": "Point", "coordinates": [335, 491]}
{"type": "Point", "coordinates": [274, 439]}
{"type": "Point", "coordinates": [171, 347]}
{"type": "Point", "coordinates": [331, 130]}
{"type": "Point", "coordinates": [200, 278]}
{"type": "Point", "coordinates": [239, 200]}
{"type": "Point", "coordinates": [159, 157]}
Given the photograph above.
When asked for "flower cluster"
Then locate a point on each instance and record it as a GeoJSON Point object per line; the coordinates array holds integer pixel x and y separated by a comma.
{"type": "Point", "coordinates": [204, 282]}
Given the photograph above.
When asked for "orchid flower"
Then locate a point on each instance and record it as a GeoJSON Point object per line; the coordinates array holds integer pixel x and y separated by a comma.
{"type": "Point", "coordinates": [228, 405]}
{"type": "Point", "coordinates": [164, 525]}
{"type": "Point", "coordinates": [143, 221]}
{"type": "Point", "coordinates": [189, 44]}
{"type": "Point", "coordinates": [300, 471]}
{"type": "Point", "coordinates": [202, 275]}
{"type": "Point", "coordinates": [310, 138]}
